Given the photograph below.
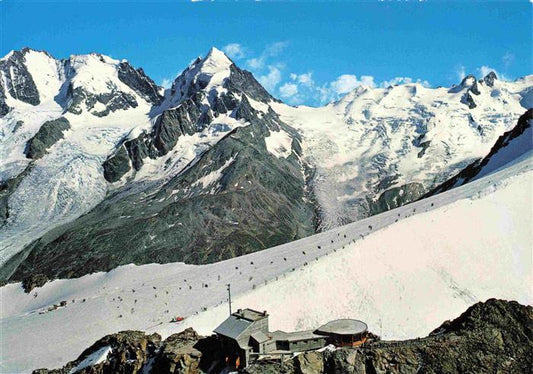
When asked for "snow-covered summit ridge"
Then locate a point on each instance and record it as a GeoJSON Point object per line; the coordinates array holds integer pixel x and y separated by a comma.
{"type": "Point", "coordinates": [400, 140]}
{"type": "Point", "coordinates": [92, 83]}
{"type": "Point", "coordinates": [203, 74]}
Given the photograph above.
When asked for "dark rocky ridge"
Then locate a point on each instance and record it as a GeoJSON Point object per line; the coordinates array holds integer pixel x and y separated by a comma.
{"type": "Point", "coordinates": [472, 170]}
{"type": "Point", "coordinates": [19, 81]}
{"type": "Point", "coordinates": [137, 80]}
{"type": "Point", "coordinates": [396, 197]}
{"type": "Point", "coordinates": [80, 99]}
{"type": "Point", "coordinates": [6, 189]}
{"type": "Point", "coordinates": [134, 352]}
{"type": "Point", "coordinates": [49, 133]}
{"type": "Point", "coordinates": [491, 337]}
{"type": "Point", "coordinates": [4, 108]}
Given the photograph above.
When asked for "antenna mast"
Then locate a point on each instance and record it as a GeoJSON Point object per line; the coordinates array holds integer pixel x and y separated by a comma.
{"type": "Point", "coordinates": [229, 298]}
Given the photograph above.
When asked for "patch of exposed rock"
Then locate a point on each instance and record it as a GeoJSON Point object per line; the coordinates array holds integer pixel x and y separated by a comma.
{"type": "Point", "coordinates": [132, 352]}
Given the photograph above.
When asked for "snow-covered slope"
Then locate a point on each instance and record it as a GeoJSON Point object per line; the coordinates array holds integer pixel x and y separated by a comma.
{"type": "Point", "coordinates": [377, 148]}
{"type": "Point", "coordinates": [402, 272]}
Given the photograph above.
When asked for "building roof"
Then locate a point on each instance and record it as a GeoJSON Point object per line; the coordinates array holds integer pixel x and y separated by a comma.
{"type": "Point", "coordinates": [342, 327]}
{"type": "Point", "coordinates": [250, 314]}
{"type": "Point", "coordinates": [259, 337]}
{"type": "Point", "coordinates": [295, 336]}
{"type": "Point", "coordinates": [233, 327]}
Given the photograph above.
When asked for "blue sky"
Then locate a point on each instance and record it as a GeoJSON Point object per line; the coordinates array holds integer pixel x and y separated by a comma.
{"type": "Point", "coordinates": [303, 52]}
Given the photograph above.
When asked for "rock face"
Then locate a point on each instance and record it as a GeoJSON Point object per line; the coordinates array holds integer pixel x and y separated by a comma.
{"type": "Point", "coordinates": [81, 99]}
{"type": "Point", "coordinates": [510, 145]}
{"type": "Point", "coordinates": [19, 81]}
{"type": "Point", "coordinates": [4, 108]}
{"type": "Point", "coordinates": [132, 352]}
{"type": "Point", "coordinates": [397, 196]}
{"type": "Point", "coordinates": [491, 337]}
{"type": "Point", "coordinates": [6, 189]}
{"type": "Point", "coordinates": [35, 280]}
{"type": "Point", "coordinates": [139, 82]}
{"type": "Point", "coordinates": [49, 133]}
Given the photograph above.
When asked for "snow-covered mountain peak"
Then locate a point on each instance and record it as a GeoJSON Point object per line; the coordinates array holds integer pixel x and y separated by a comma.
{"type": "Point", "coordinates": [94, 72]}
{"type": "Point", "coordinates": [216, 59]}
{"type": "Point", "coordinates": [204, 74]}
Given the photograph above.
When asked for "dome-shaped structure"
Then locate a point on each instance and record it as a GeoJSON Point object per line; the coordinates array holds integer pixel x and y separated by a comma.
{"type": "Point", "coordinates": [343, 327]}
{"type": "Point", "coordinates": [344, 332]}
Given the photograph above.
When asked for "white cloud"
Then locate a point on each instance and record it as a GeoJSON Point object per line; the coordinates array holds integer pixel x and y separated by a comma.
{"type": "Point", "coordinates": [508, 59]}
{"type": "Point", "coordinates": [347, 82]}
{"type": "Point", "coordinates": [275, 49]}
{"type": "Point", "coordinates": [305, 79]}
{"type": "Point", "coordinates": [271, 50]}
{"type": "Point", "coordinates": [166, 83]}
{"type": "Point", "coordinates": [303, 89]}
{"type": "Point", "coordinates": [461, 72]}
{"type": "Point", "coordinates": [272, 79]}
{"type": "Point", "coordinates": [288, 90]}
{"type": "Point", "coordinates": [403, 80]}
{"type": "Point", "coordinates": [234, 50]}
{"type": "Point", "coordinates": [255, 63]}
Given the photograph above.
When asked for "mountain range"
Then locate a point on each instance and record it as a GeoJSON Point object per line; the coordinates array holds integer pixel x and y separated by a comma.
{"type": "Point", "coordinates": [100, 167]}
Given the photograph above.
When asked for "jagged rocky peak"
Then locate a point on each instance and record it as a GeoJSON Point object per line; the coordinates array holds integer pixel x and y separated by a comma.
{"type": "Point", "coordinates": [205, 74]}
{"type": "Point", "coordinates": [490, 78]}
{"type": "Point", "coordinates": [211, 89]}
{"type": "Point", "coordinates": [99, 85]}
{"type": "Point", "coordinates": [468, 81]}
{"type": "Point", "coordinates": [92, 83]}
{"type": "Point", "coordinates": [18, 80]}
{"type": "Point", "coordinates": [216, 76]}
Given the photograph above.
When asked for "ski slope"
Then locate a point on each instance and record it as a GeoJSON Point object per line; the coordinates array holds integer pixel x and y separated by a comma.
{"type": "Point", "coordinates": [403, 272]}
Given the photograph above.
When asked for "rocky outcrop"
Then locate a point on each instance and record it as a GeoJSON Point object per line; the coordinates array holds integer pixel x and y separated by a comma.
{"type": "Point", "coordinates": [134, 352]}
{"type": "Point", "coordinates": [49, 134]}
{"type": "Point", "coordinates": [117, 165]}
{"type": "Point", "coordinates": [138, 81]}
{"type": "Point", "coordinates": [396, 197]}
{"type": "Point", "coordinates": [4, 108]}
{"type": "Point", "coordinates": [491, 337]}
{"type": "Point", "coordinates": [468, 99]}
{"type": "Point", "coordinates": [80, 99]}
{"type": "Point", "coordinates": [6, 189]}
{"type": "Point", "coordinates": [33, 281]}
{"type": "Point", "coordinates": [490, 78]}
{"type": "Point", "coordinates": [173, 123]}
{"type": "Point", "coordinates": [19, 81]}
{"type": "Point", "coordinates": [244, 81]}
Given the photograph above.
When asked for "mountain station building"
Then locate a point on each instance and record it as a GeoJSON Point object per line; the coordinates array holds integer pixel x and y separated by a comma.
{"type": "Point", "coordinates": [245, 337]}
